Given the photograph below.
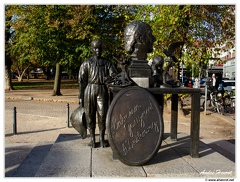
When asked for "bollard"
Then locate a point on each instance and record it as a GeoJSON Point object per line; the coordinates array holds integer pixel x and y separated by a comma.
{"type": "Point", "coordinates": [67, 115]}
{"type": "Point", "coordinates": [14, 120]}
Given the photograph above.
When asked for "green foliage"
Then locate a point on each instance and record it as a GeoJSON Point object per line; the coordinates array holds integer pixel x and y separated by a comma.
{"type": "Point", "coordinates": [180, 96]}
{"type": "Point", "coordinates": [50, 34]}
{"type": "Point", "coordinates": [203, 28]}
{"type": "Point", "coordinates": [42, 84]}
{"type": "Point", "coordinates": [111, 21]}
{"type": "Point", "coordinates": [47, 34]}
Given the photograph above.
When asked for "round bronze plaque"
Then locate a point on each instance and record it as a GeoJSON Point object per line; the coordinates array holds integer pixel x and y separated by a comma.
{"type": "Point", "coordinates": [134, 126]}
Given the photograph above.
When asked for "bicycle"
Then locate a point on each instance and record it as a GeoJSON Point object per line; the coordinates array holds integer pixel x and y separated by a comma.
{"type": "Point", "coordinates": [216, 102]}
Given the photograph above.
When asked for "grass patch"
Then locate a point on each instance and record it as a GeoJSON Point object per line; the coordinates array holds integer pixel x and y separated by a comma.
{"type": "Point", "coordinates": [43, 84]}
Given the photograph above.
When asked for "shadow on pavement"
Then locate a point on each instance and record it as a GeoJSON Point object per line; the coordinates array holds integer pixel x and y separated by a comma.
{"type": "Point", "coordinates": [30, 165]}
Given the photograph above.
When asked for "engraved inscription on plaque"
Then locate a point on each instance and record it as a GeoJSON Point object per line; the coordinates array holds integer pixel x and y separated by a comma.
{"type": "Point", "coordinates": [135, 126]}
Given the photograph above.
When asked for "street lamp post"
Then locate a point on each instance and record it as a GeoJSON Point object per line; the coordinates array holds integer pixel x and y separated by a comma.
{"type": "Point", "coordinates": [192, 70]}
{"type": "Point", "coordinates": [205, 103]}
{"type": "Point", "coordinates": [182, 72]}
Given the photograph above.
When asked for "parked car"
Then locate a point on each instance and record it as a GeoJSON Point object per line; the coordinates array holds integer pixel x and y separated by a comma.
{"type": "Point", "coordinates": [202, 85]}
{"type": "Point", "coordinates": [183, 80]}
{"type": "Point", "coordinates": [228, 85]}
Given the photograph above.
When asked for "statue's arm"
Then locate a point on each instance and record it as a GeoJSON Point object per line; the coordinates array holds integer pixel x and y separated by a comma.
{"type": "Point", "coordinates": [112, 70]}
{"type": "Point", "coordinates": [83, 81]}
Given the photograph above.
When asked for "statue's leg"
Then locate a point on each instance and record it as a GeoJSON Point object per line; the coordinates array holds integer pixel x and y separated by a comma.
{"type": "Point", "coordinates": [90, 113]}
{"type": "Point", "coordinates": [92, 138]}
{"type": "Point", "coordinates": [102, 107]}
{"type": "Point", "coordinates": [102, 129]}
{"type": "Point", "coordinates": [102, 140]}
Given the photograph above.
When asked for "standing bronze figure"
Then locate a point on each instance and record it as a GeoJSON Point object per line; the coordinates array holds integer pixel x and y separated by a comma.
{"type": "Point", "coordinates": [93, 91]}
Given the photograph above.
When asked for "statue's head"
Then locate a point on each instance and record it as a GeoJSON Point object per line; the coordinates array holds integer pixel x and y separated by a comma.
{"type": "Point", "coordinates": [138, 39]}
{"type": "Point", "coordinates": [96, 48]}
{"type": "Point", "coordinates": [158, 61]}
{"type": "Point", "coordinates": [157, 64]}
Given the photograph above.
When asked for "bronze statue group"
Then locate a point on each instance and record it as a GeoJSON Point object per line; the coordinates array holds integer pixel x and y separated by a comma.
{"type": "Point", "coordinates": [96, 73]}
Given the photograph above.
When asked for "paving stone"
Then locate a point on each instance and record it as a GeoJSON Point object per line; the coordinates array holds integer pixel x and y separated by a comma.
{"type": "Point", "coordinates": [168, 163]}
{"type": "Point", "coordinates": [68, 158]}
{"type": "Point", "coordinates": [15, 153]}
{"type": "Point", "coordinates": [103, 165]}
{"type": "Point", "coordinates": [225, 148]}
{"type": "Point", "coordinates": [211, 164]}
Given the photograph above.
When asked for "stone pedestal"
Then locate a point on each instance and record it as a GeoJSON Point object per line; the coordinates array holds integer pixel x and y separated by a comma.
{"type": "Point", "coordinates": [141, 73]}
{"type": "Point", "coordinates": [143, 82]}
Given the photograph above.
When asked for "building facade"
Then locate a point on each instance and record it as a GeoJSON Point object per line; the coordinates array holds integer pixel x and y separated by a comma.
{"type": "Point", "coordinates": [229, 66]}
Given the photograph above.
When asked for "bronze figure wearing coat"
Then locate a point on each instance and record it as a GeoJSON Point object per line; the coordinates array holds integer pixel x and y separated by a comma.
{"type": "Point", "coordinates": [93, 91]}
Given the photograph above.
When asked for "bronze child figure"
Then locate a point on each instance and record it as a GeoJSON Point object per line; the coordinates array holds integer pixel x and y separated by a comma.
{"type": "Point", "coordinates": [93, 91]}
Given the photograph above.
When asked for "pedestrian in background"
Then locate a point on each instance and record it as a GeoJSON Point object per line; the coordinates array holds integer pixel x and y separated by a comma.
{"type": "Point", "coordinates": [190, 83]}
{"type": "Point", "coordinates": [196, 83]}
{"type": "Point", "coordinates": [215, 82]}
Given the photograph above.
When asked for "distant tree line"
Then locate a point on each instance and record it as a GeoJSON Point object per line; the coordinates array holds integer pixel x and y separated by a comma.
{"type": "Point", "coordinates": [58, 36]}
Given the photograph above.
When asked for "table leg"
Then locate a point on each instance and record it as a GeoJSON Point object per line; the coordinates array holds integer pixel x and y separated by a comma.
{"type": "Point", "coordinates": [174, 117]}
{"type": "Point", "coordinates": [195, 126]}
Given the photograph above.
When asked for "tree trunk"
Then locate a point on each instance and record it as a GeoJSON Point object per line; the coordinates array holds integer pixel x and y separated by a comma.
{"type": "Point", "coordinates": [21, 74]}
{"type": "Point", "coordinates": [57, 81]}
{"type": "Point", "coordinates": [8, 79]}
{"type": "Point", "coordinates": [8, 61]}
{"type": "Point", "coordinates": [20, 78]}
